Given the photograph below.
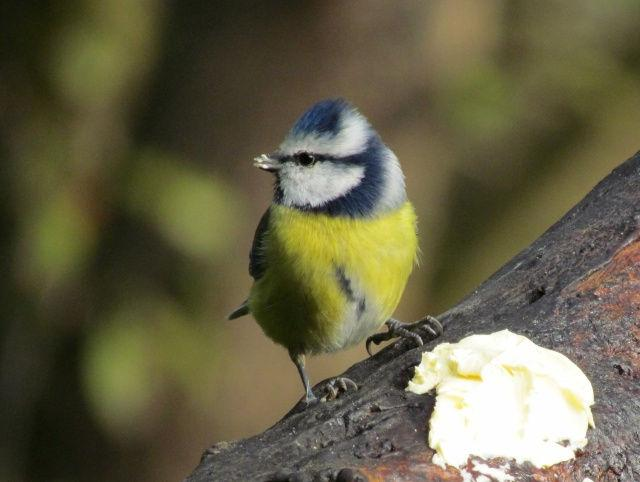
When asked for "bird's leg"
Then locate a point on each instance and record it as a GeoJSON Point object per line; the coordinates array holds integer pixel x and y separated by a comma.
{"type": "Point", "coordinates": [298, 359]}
{"type": "Point", "coordinates": [431, 327]}
{"type": "Point", "coordinates": [333, 387]}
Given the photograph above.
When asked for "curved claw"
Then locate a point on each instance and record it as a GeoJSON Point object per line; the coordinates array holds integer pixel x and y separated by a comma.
{"type": "Point", "coordinates": [403, 332]}
{"type": "Point", "coordinates": [377, 339]}
{"type": "Point", "coordinates": [341, 384]}
{"type": "Point", "coordinates": [348, 383]}
{"type": "Point", "coordinates": [367, 345]}
{"type": "Point", "coordinates": [432, 324]}
{"type": "Point", "coordinates": [337, 386]}
{"type": "Point", "coordinates": [332, 393]}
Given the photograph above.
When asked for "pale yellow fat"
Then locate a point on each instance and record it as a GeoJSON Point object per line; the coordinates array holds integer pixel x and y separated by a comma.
{"type": "Point", "coordinates": [500, 395]}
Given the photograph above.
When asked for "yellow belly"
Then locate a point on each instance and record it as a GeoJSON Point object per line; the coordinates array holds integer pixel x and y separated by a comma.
{"type": "Point", "coordinates": [300, 301]}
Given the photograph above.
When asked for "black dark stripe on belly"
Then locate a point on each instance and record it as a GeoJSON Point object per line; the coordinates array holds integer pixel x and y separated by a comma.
{"type": "Point", "coordinates": [345, 283]}
{"type": "Point", "coordinates": [345, 286]}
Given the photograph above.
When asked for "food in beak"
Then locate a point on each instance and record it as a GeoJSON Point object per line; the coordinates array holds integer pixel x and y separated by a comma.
{"type": "Point", "coordinates": [266, 163]}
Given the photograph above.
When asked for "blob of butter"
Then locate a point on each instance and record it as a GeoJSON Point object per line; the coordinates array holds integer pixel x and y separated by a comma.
{"type": "Point", "coordinates": [501, 395]}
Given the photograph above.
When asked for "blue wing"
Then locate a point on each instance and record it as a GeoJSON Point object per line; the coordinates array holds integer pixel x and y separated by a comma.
{"type": "Point", "coordinates": [257, 258]}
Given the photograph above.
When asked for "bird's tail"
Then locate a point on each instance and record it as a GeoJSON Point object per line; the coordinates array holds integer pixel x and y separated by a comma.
{"type": "Point", "coordinates": [242, 310]}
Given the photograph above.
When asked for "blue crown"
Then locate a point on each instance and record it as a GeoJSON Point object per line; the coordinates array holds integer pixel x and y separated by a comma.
{"type": "Point", "coordinates": [322, 118]}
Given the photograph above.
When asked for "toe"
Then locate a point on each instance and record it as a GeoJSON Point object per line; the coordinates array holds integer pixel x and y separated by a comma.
{"type": "Point", "coordinates": [332, 392]}
{"type": "Point", "coordinates": [433, 333]}
{"type": "Point", "coordinates": [341, 384]}
{"type": "Point", "coordinates": [376, 340]}
{"type": "Point", "coordinates": [337, 386]}
{"type": "Point", "coordinates": [417, 338]}
{"type": "Point", "coordinates": [350, 383]}
{"type": "Point", "coordinates": [435, 325]}
{"type": "Point", "coordinates": [367, 345]}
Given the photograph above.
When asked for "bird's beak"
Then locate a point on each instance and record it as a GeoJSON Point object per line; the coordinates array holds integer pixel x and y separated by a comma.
{"type": "Point", "coordinates": [267, 163]}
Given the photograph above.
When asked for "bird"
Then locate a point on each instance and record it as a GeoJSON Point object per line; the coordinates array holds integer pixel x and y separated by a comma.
{"type": "Point", "coordinates": [332, 253]}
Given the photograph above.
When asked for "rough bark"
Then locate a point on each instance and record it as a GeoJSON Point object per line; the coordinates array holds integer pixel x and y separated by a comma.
{"type": "Point", "coordinates": [576, 290]}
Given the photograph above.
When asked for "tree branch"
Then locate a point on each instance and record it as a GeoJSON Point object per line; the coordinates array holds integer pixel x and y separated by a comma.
{"type": "Point", "coordinates": [576, 290]}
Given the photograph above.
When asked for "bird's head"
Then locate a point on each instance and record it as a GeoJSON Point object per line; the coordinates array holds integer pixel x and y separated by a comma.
{"type": "Point", "coordinates": [332, 161]}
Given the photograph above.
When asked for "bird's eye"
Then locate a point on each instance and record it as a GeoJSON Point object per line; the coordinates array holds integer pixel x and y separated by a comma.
{"type": "Point", "coordinates": [305, 158]}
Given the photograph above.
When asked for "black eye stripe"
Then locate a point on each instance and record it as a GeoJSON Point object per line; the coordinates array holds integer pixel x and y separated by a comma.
{"type": "Point", "coordinates": [316, 157]}
{"type": "Point", "coordinates": [304, 158]}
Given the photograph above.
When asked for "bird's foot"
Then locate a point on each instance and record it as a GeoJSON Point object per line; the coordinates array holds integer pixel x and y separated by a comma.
{"type": "Point", "coordinates": [336, 386]}
{"type": "Point", "coordinates": [309, 400]}
{"type": "Point", "coordinates": [428, 327]}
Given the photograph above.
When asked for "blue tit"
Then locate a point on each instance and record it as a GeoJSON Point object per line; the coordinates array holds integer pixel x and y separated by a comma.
{"type": "Point", "coordinates": [332, 254]}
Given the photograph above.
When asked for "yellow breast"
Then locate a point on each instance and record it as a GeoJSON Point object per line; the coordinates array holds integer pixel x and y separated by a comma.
{"type": "Point", "coordinates": [331, 281]}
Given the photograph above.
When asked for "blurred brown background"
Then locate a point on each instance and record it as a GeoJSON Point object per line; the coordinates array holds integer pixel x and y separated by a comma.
{"type": "Point", "coordinates": [128, 201]}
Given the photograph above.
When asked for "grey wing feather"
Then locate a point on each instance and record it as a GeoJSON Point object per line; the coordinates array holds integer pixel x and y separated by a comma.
{"type": "Point", "coordinates": [257, 258]}
{"type": "Point", "coordinates": [257, 262]}
{"type": "Point", "coordinates": [242, 310]}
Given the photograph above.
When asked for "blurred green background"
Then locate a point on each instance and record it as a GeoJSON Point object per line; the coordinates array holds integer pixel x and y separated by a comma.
{"type": "Point", "coordinates": [128, 201]}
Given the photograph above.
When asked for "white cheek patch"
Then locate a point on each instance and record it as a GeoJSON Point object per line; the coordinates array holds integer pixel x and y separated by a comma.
{"type": "Point", "coordinates": [393, 194]}
{"type": "Point", "coordinates": [353, 134]}
{"type": "Point", "coordinates": [318, 184]}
